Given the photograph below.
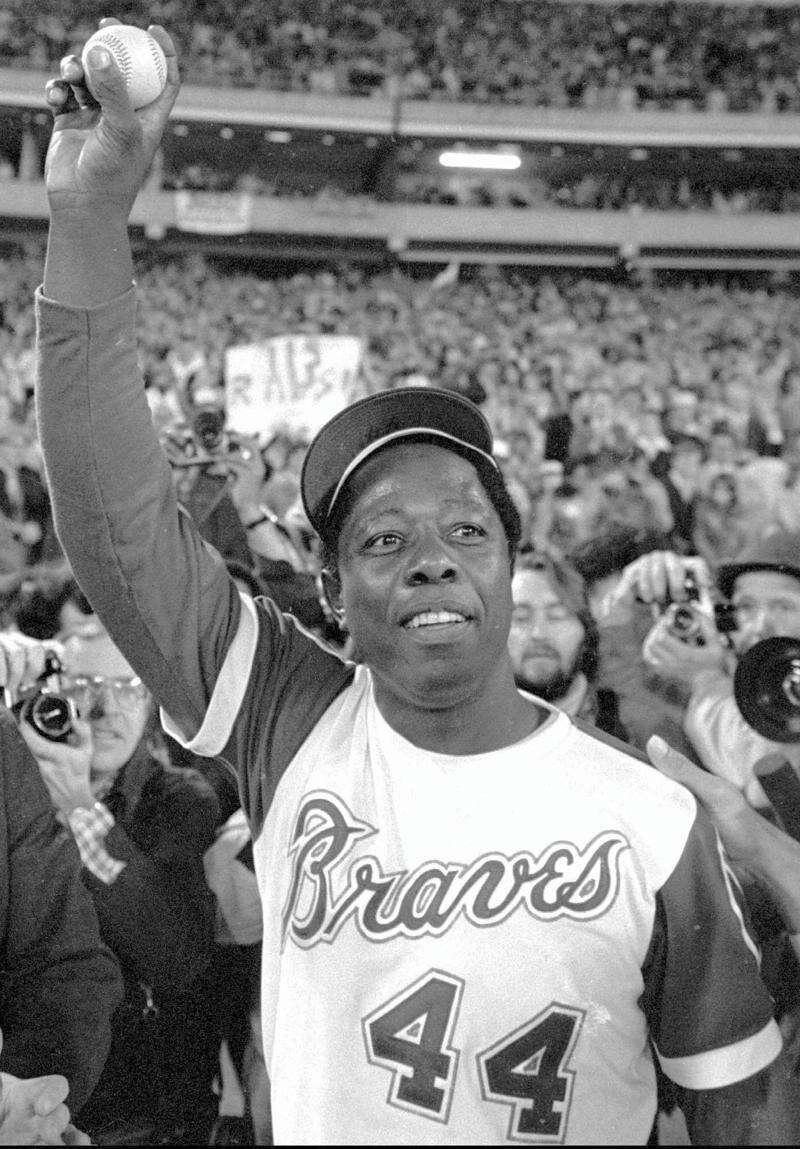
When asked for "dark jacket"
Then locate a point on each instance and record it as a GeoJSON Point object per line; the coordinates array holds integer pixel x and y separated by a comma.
{"type": "Point", "coordinates": [59, 985]}
{"type": "Point", "coordinates": [158, 918]}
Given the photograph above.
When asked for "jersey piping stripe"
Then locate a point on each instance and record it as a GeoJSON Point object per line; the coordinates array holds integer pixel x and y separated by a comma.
{"type": "Point", "coordinates": [229, 690]}
{"type": "Point", "coordinates": [719, 1067]}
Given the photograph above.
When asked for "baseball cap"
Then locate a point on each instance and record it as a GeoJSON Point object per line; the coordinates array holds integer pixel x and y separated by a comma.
{"type": "Point", "coordinates": [366, 426]}
{"type": "Point", "coordinates": [777, 552]}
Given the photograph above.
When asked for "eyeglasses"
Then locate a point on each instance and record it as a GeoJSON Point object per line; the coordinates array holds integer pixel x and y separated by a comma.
{"type": "Point", "coordinates": [86, 691]}
{"type": "Point", "coordinates": [783, 611]}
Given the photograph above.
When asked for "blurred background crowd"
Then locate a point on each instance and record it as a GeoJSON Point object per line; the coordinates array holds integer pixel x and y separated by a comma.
{"type": "Point", "coordinates": [647, 55]}
{"type": "Point", "coordinates": [600, 391]}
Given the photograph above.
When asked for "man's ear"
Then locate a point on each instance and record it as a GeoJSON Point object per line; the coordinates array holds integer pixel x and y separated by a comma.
{"type": "Point", "coordinates": [332, 589]}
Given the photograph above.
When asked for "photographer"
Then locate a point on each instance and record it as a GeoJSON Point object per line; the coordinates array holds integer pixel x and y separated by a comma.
{"type": "Point", "coordinates": [247, 512]}
{"type": "Point", "coordinates": [141, 828]}
{"type": "Point", "coordinates": [206, 462]}
{"type": "Point", "coordinates": [763, 592]}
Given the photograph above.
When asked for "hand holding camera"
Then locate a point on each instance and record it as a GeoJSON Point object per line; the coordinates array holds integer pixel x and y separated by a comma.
{"type": "Point", "coordinates": [668, 651]}
{"type": "Point", "coordinates": [23, 662]}
{"type": "Point", "coordinates": [57, 736]}
{"type": "Point", "coordinates": [686, 638]}
{"type": "Point", "coordinates": [207, 442]}
{"type": "Point", "coordinates": [660, 577]}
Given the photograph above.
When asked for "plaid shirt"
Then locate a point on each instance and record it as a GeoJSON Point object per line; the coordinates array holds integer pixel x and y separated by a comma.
{"type": "Point", "coordinates": [89, 828]}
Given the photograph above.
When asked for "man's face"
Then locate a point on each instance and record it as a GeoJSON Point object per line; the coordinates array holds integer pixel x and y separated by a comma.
{"type": "Point", "coordinates": [425, 577]}
{"type": "Point", "coordinates": [767, 604]}
{"type": "Point", "coordinates": [116, 708]}
{"type": "Point", "coordinates": [546, 638]}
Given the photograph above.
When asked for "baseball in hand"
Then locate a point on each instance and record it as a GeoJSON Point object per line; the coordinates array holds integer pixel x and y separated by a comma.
{"type": "Point", "coordinates": [138, 56]}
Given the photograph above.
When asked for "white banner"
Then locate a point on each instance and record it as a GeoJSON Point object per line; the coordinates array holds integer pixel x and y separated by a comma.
{"type": "Point", "coordinates": [292, 382]}
{"type": "Point", "coordinates": [214, 213]}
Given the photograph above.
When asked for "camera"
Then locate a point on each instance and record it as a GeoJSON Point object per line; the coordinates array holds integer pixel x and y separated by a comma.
{"type": "Point", "coordinates": [684, 617]}
{"type": "Point", "coordinates": [205, 440]}
{"type": "Point", "coordinates": [50, 713]}
{"type": "Point", "coordinates": [683, 621]}
{"type": "Point", "coordinates": [766, 687]}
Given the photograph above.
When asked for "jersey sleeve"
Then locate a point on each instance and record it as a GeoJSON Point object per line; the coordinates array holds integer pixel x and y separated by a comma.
{"type": "Point", "coordinates": [162, 592]}
{"type": "Point", "coordinates": [275, 684]}
{"type": "Point", "coordinates": [709, 1013]}
{"type": "Point", "coordinates": [231, 680]}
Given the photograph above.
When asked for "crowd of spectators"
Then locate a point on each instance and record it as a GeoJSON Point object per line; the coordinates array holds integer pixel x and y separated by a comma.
{"type": "Point", "coordinates": [600, 191]}
{"type": "Point", "coordinates": [597, 190]}
{"type": "Point", "coordinates": [551, 54]}
{"type": "Point", "coordinates": [600, 390]}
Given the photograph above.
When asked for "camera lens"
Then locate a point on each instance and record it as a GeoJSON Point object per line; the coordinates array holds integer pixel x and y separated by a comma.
{"type": "Point", "coordinates": [683, 623]}
{"type": "Point", "coordinates": [791, 684]}
{"type": "Point", "coordinates": [208, 426]}
{"type": "Point", "coordinates": [50, 715]}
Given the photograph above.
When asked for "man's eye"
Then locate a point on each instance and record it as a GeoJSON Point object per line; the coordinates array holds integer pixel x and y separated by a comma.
{"type": "Point", "coordinates": [469, 531]}
{"type": "Point", "coordinates": [385, 541]}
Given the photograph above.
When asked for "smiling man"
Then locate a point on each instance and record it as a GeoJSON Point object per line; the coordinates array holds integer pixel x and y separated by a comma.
{"type": "Point", "coordinates": [476, 915]}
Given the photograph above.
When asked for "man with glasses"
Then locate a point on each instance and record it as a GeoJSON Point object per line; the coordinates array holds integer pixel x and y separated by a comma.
{"type": "Point", "coordinates": [142, 828]}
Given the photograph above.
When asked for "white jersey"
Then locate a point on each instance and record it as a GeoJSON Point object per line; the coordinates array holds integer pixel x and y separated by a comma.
{"type": "Point", "coordinates": [477, 949]}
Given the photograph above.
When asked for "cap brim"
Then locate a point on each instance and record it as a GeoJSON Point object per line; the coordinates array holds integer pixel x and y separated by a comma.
{"type": "Point", "coordinates": [371, 424]}
{"type": "Point", "coordinates": [728, 573]}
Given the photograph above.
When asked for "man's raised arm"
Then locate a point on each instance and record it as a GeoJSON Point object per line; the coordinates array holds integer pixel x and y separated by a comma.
{"type": "Point", "coordinates": [163, 595]}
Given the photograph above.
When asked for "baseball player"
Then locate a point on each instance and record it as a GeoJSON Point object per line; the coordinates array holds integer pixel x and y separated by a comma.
{"type": "Point", "coordinates": [481, 922]}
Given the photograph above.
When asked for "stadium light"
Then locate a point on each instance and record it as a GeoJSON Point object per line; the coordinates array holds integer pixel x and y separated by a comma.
{"type": "Point", "coordinates": [483, 161]}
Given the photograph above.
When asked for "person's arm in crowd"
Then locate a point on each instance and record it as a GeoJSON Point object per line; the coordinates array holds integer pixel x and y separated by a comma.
{"type": "Point", "coordinates": [724, 742]}
{"type": "Point", "coordinates": [164, 595]}
{"type": "Point", "coordinates": [60, 983]}
{"type": "Point", "coordinates": [753, 843]}
{"type": "Point", "coordinates": [154, 907]}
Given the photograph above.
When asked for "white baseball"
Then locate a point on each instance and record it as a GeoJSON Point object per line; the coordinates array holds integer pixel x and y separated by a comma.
{"type": "Point", "coordinates": [138, 56]}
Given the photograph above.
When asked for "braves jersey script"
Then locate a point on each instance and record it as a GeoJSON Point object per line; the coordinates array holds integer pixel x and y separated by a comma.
{"type": "Point", "coordinates": [473, 949]}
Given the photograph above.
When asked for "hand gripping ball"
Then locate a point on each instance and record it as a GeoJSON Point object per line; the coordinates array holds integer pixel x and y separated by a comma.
{"type": "Point", "coordinates": [138, 56]}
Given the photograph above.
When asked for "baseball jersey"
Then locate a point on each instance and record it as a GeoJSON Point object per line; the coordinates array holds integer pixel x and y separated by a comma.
{"type": "Point", "coordinates": [478, 948]}
{"type": "Point", "coordinates": [471, 949]}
